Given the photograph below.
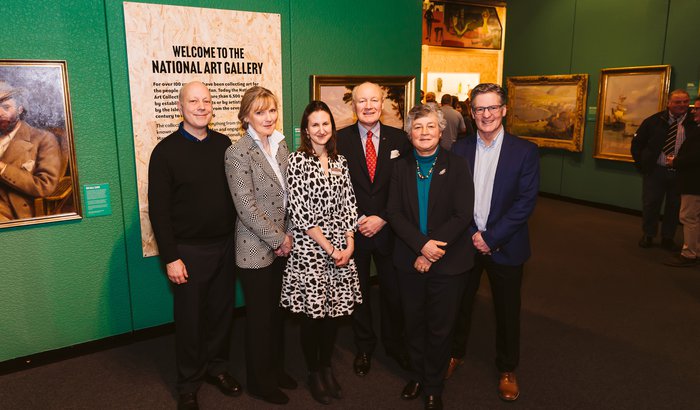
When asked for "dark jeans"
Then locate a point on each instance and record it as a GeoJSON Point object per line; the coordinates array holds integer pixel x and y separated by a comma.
{"type": "Point", "coordinates": [203, 312]}
{"type": "Point", "coordinates": [659, 184]}
{"type": "Point", "coordinates": [505, 289]}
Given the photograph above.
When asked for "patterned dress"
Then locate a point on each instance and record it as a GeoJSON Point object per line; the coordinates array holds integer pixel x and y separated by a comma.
{"type": "Point", "coordinates": [312, 284]}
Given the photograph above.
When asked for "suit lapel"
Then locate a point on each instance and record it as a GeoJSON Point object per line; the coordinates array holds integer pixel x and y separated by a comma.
{"type": "Point", "coordinates": [504, 160]}
{"type": "Point", "coordinates": [439, 180]}
{"type": "Point", "coordinates": [412, 186]}
{"type": "Point", "coordinates": [257, 155]}
{"type": "Point", "coordinates": [383, 155]}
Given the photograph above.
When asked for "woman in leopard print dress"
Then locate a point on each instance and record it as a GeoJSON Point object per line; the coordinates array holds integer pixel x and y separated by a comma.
{"type": "Point", "coordinates": [321, 279]}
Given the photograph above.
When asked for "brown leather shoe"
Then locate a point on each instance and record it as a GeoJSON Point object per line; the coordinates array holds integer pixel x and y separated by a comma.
{"type": "Point", "coordinates": [454, 364]}
{"type": "Point", "coordinates": [508, 389]}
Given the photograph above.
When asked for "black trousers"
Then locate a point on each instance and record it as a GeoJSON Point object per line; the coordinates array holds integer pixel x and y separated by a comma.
{"type": "Point", "coordinates": [264, 328]}
{"type": "Point", "coordinates": [660, 186]}
{"type": "Point", "coordinates": [505, 283]}
{"type": "Point", "coordinates": [203, 312]}
{"type": "Point", "coordinates": [391, 319]}
{"type": "Point", "coordinates": [430, 306]}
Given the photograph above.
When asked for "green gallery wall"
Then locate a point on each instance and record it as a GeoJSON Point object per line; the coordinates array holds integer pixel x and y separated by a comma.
{"type": "Point", "coordinates": [78, 281]}
{"type": "Point", "coordinates": [546, 37]}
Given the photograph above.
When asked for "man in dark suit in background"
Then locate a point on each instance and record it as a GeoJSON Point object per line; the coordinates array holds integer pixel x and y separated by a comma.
{"type": "Point", "coordinates": [506, 183]}
{"type": "Point", "coordinates": [660, 136]}
{"type": "Point", "coordinates": [370, 148]}
{"type": "Point", "coordinates": [687, 164]}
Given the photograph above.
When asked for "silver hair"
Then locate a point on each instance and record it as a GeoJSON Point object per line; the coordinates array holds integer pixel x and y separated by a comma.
{"type": "Point", "coordinates": [424, 110]}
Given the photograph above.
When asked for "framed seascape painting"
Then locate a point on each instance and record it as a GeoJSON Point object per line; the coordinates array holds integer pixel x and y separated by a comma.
{"type": "Point", "coordinates": [336, 91]}
{"type": "Point", "coordinates": [38, 176]}
{"type": "Point", "coordinates": [548, 110]}
{"type": "Point", "coordinates": [626, 96]}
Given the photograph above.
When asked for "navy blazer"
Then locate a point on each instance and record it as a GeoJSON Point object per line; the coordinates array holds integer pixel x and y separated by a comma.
{"type": "Point", "coordinates": [372, 196]}
{"type": "Point", "coordinates": [514, 195]}
{"type": "Point", "coordinates": [450, 213]}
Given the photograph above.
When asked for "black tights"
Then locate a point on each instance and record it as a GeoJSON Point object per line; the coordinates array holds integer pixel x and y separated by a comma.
{"type": "Point", "coordinates": [317, 341]}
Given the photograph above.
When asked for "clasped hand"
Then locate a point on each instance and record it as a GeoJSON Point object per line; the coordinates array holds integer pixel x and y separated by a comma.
{"type": "Point", "coordinates": [432, 250]}
{"type": "Point", "coordinates": [341, 257]}
{"type": "Point", "coordinates": [480, 244]}
{"type": "Point", "coordinates": [286, 247]}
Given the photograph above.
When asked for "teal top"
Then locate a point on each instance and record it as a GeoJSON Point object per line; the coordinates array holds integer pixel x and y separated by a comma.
{"type": "Point", "coordinates": [425, 164]}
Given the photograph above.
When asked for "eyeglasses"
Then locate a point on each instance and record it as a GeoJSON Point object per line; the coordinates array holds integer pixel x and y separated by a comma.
{"type": "Point", "coordinates": [492, 109]}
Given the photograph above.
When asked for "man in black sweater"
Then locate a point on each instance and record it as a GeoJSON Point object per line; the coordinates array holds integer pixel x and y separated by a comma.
{"type": "Point", "coordinates": [193, 217]}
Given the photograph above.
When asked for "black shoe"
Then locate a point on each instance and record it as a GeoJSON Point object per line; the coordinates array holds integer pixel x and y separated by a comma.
{"type": "Point", "coordinates": [331, 382]}
{"type": "Point", "coordinates": [276, 396]}
{"type": "Point", "coordinates": [285, 381]}
{"type": "Point", "coordinates": [646, 241]}
{"type": "Point", "coordinates": [187, 401]}
{"type": "Point", "coordinates": [680, 261]}
{"type": "Point", "coordinates": [318, 388]}
{"type": "Point", "coordinates": [433, 402]}
{"type": "Point", "coordinates": [402, 359]}
{"type": "Point", "coordinates": [226, 383]}
{"type": "Point", "coordinates": [669, 245]}
{"type": "Point", "coordinates": [411, 390]}
{"type": "Point", "coordinates": [362, 363]}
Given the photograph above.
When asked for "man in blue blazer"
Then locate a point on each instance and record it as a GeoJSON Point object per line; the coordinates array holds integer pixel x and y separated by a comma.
{"type": "Point", "coordinates": [506, 183]}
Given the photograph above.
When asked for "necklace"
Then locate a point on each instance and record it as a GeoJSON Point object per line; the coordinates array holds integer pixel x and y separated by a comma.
{"type": "Point", "coordinates": [430, 171]}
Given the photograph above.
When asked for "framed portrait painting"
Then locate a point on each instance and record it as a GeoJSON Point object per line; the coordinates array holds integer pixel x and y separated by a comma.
{"type": "Point", "coordinates": [626, 96]}
{"type": "Point", "coordinates": [548, 110]}
{"type": "Point", "coordinates": [38, 176]}
{"type": "Point", "coordinates": [336, 91]}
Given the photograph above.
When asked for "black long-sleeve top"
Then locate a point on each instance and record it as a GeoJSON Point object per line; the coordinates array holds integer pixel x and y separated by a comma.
{"type": "Point", "coordinates": [188, 197]}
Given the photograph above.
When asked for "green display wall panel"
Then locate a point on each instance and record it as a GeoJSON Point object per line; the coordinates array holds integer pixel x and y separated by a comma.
{"type": "Point", "coordinates": [583, 36]}
{"type": "Point", "coordinates": [349, 37]}
{"type": "Point", "coordinates": [66, 283]}
{"type": "Point", "coordinates": [151, 296]}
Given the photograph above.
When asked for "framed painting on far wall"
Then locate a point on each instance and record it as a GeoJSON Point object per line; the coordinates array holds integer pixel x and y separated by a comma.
{"type": "Point", "coordinates": [336, 91]}
{"type": "Point", "coordinates": [626, 96]}
{"type": "Point", "coordinates": [38, 175]}
{"type": "Point", "coordinates": [548, 110]}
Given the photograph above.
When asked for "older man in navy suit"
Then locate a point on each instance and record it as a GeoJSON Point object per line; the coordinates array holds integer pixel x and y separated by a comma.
{"type": "Point", "coordinates": [506, 183]}
{"type": "Point", "coordinates": [371, 149]}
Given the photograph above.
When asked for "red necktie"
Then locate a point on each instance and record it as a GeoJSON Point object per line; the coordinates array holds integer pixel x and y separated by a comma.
{"type": "Point", "coordinates": [370, 156]}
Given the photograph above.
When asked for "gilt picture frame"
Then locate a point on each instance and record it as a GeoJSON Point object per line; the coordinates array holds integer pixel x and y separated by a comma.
{"type": "Point", "coordinates": [626, 96]}
{"type": "Point", "coordinates": [548, 110]}
{"type": "Point", "coordinates": [336, 91]}
{"type": "Point", "coordinates": [38, 173]}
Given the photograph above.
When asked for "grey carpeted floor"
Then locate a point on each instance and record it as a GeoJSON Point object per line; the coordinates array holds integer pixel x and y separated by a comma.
{"type": "Point", "coordinates": [604, 326]}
